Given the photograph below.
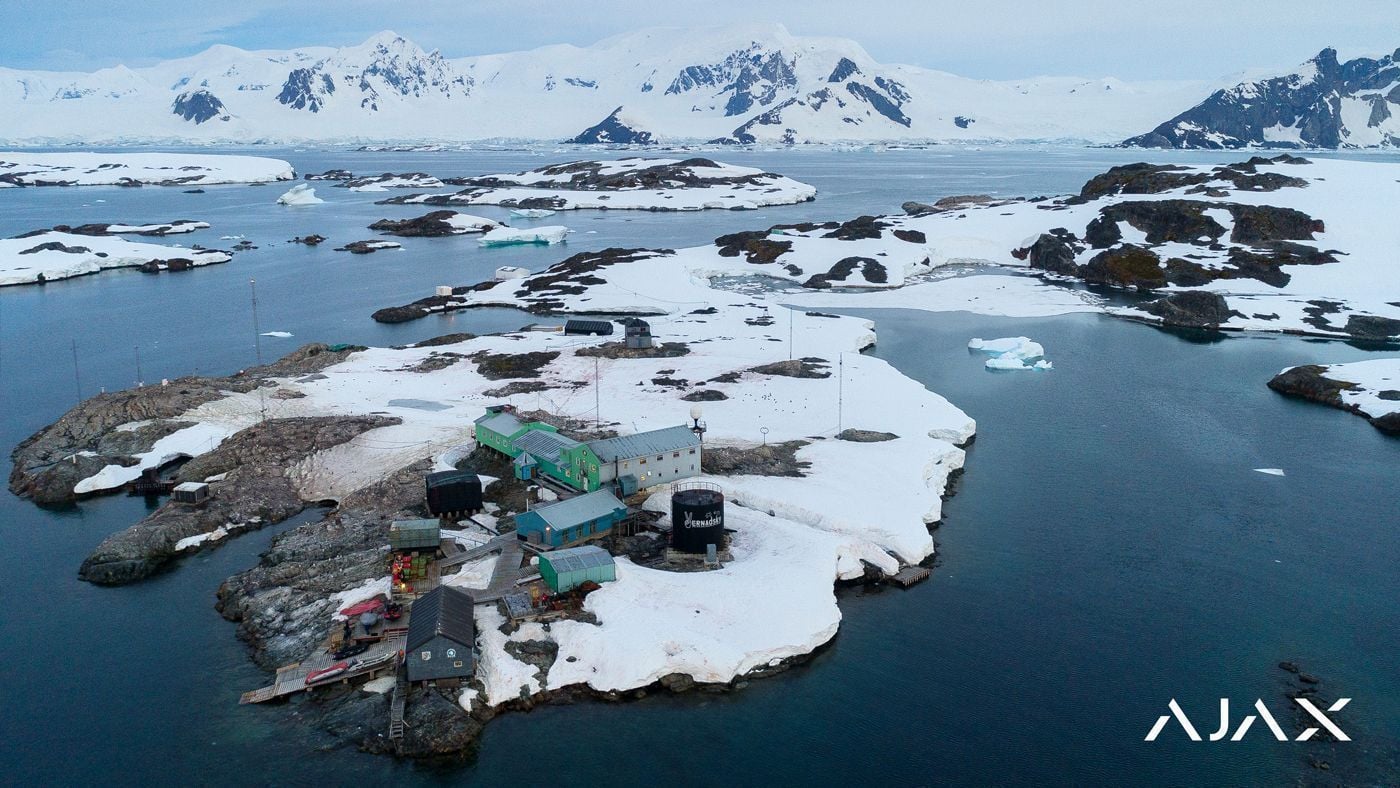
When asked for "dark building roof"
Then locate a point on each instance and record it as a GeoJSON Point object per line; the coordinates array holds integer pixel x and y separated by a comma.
{"type": "Point", "coordinates": [445, 611]}
{"type": "Point", "coordinates": [588, 327]}
{"type": "Point", "coordinates": [452, 477]}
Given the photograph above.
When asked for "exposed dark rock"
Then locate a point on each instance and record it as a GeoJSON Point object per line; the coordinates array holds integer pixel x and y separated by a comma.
{"type": "Point", "coordinates": [44, 467]}
{"type": "Point", "coordinates": [364, 247]}
{"type": "Point", "coordinates": [309, 240]}
{"type": "Point", "coordinates": [705, 395]}
{"type": "Point", "coordinates": [1191, 309]}
{"type": "Point", "coordinates": [330, 175]}
{"type": "Point", "coordinates": [1125, 266]}
{"type": "Point", "coordinates": [871, 270]}
{"type": "Point", "coordinates": [620, 350]}
{"type": "Point", "coordinates": [1054, 252]}
{"type": "Point", "coordinates": [795, 368]}
{"type": "Point", "coordinates": [55, 246]}
{"type": "Point", "coordinates": [430, 225]}
{"type": "Point", "coordinates": [1372, 327]}
{"type": "Point", "coordinates": [256, 492]}
{"type": "Point", "coordinates": [865, 436]}
{"type": "Point", "coordinates": [199, 106]}
{"type": "Point", "coordinates": [754, 244]}
{"type": "Point", "coordinates": [517, 387]}
{"type": "Point", "coordinates": [613, 130]}
{"type": "Point", "coordinates": [1311, 103]}
{"type": "Point", "coordinates": [446, 339]}
{"type": "Point", "coordinates": [769, 459]}
{"type": "Point", "coordinates": [1310, 382]}
{"type": "Point", "coordinates": [502, 366]}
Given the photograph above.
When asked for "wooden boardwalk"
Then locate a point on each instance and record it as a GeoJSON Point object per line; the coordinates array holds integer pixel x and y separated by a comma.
{"type": "Point", "coordinates": [505, 575]}
{"type": "Point", "coordinates": [481, 550]}
{"type": "Point", "coordinates": [292, 678]}
{"type": "Point", "coordinates": [910, 575]}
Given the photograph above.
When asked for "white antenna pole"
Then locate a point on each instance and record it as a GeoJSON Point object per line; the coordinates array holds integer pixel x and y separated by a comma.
{"type": "Point", "coordinates": [257, 347]}
{"type": "Point", "coordinates": [789, 335]}
{"type": "Point", "coordinates": [597, 399]}
{"type": "Point", "coordinates": [77, 381]}
{"type": "Point", "coordinates": [840, 390]}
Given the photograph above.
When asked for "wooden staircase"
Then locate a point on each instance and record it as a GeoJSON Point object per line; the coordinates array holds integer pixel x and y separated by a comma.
{"type": "Point", "coordinates": [396, 706]}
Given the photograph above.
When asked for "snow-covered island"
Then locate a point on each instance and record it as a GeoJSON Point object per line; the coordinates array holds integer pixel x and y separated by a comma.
{"type": "Point", "coordinates": [854, 495]}
{"type": "Point", "coordinates": [79, 168]}
{"type": "Point", "coordinates": [1275, 245]}
{"type": "Point", "coordinates": [625, 184]}
{"type": "Point", "coordinates": [49, 255]}
{"type": "Point", "coordinates": [1370, 389]}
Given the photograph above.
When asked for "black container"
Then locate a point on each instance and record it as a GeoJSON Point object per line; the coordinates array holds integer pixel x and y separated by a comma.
{"type": "Point", "coordinates": [697, 518]}
{"type": "Point", "coordinates": [453, 493]}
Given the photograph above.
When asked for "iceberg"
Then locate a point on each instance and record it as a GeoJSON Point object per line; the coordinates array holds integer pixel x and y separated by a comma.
{"type": "Point", "coordinates": [1011, 353]}
{"type": "Point", "coordinates": [301, 194]}
{"type": "Point", "coordinates": [509, 236]}
{"type": "Point", "coordinates": [532, 213]}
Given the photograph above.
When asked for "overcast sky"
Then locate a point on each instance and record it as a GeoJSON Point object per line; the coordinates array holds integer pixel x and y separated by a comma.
{"type": "Point", "coordinates": [994, 39]}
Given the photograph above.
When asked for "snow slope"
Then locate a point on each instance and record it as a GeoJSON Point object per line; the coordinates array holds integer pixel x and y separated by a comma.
{"type": "Point", "coordinates": [744, 82]}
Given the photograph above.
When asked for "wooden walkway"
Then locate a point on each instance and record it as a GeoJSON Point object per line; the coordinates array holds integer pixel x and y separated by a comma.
{"type": "Point", "coordinates": [481, 550]}
{"type": "Point", "coordinates": [910, 575]}
{"type": "Point", "coordinates": [505, 575]}
{"type": "Point", "coordinates": [292, 678]}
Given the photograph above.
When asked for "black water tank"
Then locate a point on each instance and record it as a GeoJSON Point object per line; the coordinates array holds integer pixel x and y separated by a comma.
{"type": "Point", "coordinates": [453, 493]}
{"type": "Point", "coordinates": [697, 517]}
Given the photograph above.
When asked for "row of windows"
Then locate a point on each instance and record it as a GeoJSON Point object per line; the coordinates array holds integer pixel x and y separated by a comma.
{"type": "Point", "coordinates": [659, 458]}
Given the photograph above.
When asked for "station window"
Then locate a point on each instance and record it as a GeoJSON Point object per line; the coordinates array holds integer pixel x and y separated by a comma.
{"type": "Point", "coordinates": [675, 454]}
{"type": "Point", "coordinates": [641, 462]}
{"type": "Point", "coordinates": [660, 457]}
{"type": "Point", "coordinates": [692, 451]}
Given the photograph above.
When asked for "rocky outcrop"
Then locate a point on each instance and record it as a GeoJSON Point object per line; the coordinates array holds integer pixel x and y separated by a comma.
{"type": "Point", "coordinates": [282, 605]}
{"type": "Point", "coordinates": [199, 106]}
{"type": "Point", "coordinates": [1311, 382]}
{"type": "Point", "coordinates": [256, 490]}
{"type": "Point", "coordinates": [769, 459]}
{"type": "Point", "coordinates": [1305, 109]}
{"type": "Point", "coordinates": [1191, 309]}
{"type": "Point", "coordinates": [48, 463]}
{"type": "Point", "coordinates": [435, 224]}
{"type": "Point", "coordinates": [367, 247]}
{"type": "Point", "coordinates": [614, 130]}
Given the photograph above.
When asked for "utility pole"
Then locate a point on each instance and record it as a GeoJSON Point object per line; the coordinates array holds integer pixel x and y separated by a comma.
{"type": "Point", "coordinates": [840, 390]}
{"type": "Point", "coordinates": [257, 347]}
{"type": "Point", "coordinates": [597, 398]}
{"type": "Point", "coordinates": [789, 335]}
{"type": "Point", "coordinates": [77, 381]}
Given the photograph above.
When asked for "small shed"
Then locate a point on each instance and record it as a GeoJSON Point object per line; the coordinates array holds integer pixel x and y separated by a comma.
{"type": "Point", "coordinates": [415, 534]}
{"type": "Point", "coordinates": [601, 328]}
{"type": "Point", "coordinates": [190, 492]}
{"type": "Point", "coordinates": [441, 636]}
{"type": "Point", "coordinates": [572, 520]}
{"type": "Point", "coordinates": [564, 570]}
{"type": "Point", "coordinates": [636, 333]}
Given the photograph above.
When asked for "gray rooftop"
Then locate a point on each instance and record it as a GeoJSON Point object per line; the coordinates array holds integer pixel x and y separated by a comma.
{"type": "Point", "coordinates": [443, 611]}
{"type": "Point", "coordinates": [579, 509]}
{"type": "Point", "coordinates": [660, 441]}
{"type": "Point", "coordinates": [543, 444]}
{"type": "Point", "coordinates": [576, 558]}
{"type": "Point", "coordinates": [500, 422]}
{"type": "Point", "coordinates": [524, 460]}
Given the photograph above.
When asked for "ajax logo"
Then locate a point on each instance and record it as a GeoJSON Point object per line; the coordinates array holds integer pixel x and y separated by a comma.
{"type": "Point", "coordinates": [1262, 713]}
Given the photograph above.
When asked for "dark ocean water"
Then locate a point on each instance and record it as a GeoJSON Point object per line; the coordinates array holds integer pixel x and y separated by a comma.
{"type": "Point", "coordinates": [1108, 549]}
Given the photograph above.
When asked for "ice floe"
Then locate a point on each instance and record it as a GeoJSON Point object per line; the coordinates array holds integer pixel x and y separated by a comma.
{"type": "Point", "coordinates": [301, 194]}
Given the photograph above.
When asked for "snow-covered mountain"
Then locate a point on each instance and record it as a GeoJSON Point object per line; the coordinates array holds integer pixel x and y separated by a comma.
{"type": "Point", "coordinates": [755, 83]}
{"type": "Point", "coordinates": [1322, 104]}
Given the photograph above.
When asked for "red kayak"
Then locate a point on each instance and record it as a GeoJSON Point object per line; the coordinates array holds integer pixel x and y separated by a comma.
{"type": "Point", "coordinates": [326, 673]}
{"type": "Point", "coordinates": [370, 606]}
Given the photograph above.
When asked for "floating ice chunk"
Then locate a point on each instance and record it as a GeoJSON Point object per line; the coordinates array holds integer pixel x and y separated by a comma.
{"type": "Point", "coordinates": [508, 236]}
{"type": "Point", "coordinates": [1011, 353]}
{"type": "Point", "coordinates": [280, 334]}
{"type": "Point", "coordinates": [1020, 347]}
{"type": "Point", "coordinates": [531, 213]}
{"type": "Point", "coordinates": [1270, 471]}
{"type": "Point", "coordinates": [301, 194]}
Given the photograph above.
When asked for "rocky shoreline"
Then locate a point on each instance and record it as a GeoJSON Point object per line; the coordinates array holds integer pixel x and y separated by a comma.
{"type": "Point", "coordinates": [1314, 383]}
